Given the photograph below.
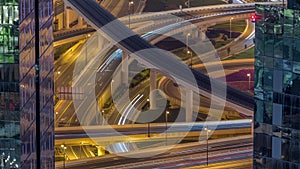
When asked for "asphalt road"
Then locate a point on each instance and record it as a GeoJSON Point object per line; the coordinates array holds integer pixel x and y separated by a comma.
{"type": "Point", "coordinates": [179, 153]}
{"type": "Point", "coordinates": [173, 91]}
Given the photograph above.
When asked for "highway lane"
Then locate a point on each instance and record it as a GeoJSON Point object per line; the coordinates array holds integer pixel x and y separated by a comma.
{"type": "Point", "coordinates": [232, 164]}
{"type": "Point", "coordinates": [193, 160]}
{"type": "Point", "coordinates": [129, 129]}
{"type": "Point", "coordinates": [117, 118]}
{"type": "Point", "coordinates": [65, 108]}
{"type": "Point", "coordinates": [63, 75]}
{"type": "Point", "coordinates": [238, 45]}
{"type": "Point", "coordinates": [101, 83]}
{"type": "Point", "coordinates": [217, 148]}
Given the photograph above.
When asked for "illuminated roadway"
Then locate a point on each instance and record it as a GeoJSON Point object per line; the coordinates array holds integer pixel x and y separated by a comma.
{"type": "Point", "coordinates": [98, 17]}
{"type": "Point", "coordinates": [115, 61]}
{"type": "Point", "coordinates": [230, 65]}
{"type": "Point", "coordinates": [182, 155]}
{"type": "Point", "coordinates": [65, 133]}
{"type": "Point", "coordinates": [192, 9]}
{"type": "Point", "coordinates": [160, 16]}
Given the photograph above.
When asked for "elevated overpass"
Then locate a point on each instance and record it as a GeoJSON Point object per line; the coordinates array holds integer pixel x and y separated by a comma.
{"type": "Point", "coordinates": [145, 132]}
{"type": "Point", "coordinates": [99, 18]}
{"type": "Point", "coordinates": [136, 18]}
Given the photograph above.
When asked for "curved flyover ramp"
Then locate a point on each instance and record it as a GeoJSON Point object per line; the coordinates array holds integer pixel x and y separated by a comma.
{"type": "Point", "coordinates": [130, 42]}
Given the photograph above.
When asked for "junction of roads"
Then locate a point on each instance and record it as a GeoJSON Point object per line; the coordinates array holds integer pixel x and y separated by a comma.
{"type": "Point", "coordinates": [111, 78]}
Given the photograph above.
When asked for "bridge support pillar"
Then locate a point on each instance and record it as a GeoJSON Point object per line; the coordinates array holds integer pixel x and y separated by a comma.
{"type": "Point", "coordinates": [203, 33]}
{"type": "Point", "coordinates": [100, 41]}
{"type": "Point", "coordinates": [196, 33]}
{"type": "Point", "coordinates": [100, 151]}
{"type": "Point", "coordinates": [80, 21]}
{"type": "Point", "coordinates": [153, 86]}
{"type": "Point", "coordinates": [125, 68]}
{"type": "Point", "coordinates": [66, 17]}
{"type": "Point", "coordinates": [60, 22]}
{"type": "Point", "coordinates": [189, 106]}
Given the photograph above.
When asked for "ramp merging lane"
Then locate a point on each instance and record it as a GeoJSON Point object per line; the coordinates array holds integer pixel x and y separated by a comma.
{"type": "Point", "coordinates": [130, 42]}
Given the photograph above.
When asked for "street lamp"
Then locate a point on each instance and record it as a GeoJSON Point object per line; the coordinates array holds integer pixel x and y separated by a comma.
{"type": "Point", "coordinates": [55, 120]}
{"type": "Point", "coordinates": [187, 40]}
{"type": "Point", "coordinates": [207, 131]}
{"type": "Point", "coordinates": [187, 43]}
{"type": "Point", "coordinates": [64, 148]}
{"type": "Point", "coordinates": [249, 79]}
{"type": "Point", "coordinates": [111, 84]}
{"type": "Point", "coordinates": [131, 3]}
{"type": "Point", "coordinates": [86, 46]}
{"type": "Point", "coordinates": [190, 53]}
{"type": "Point", "coordinates": [167, 113]}
{"type": "Point", "coordinates": [230, 27]}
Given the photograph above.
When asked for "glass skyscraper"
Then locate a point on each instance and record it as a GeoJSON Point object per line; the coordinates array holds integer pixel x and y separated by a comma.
{"type": "Point", "coordinates": [36, 84]}
{"type": "Point", "coordinates": [293, 4]}
{"type": "Point", "coordinates": [9, 84]}
{"type": "Point", "coordinates": [277, 87]}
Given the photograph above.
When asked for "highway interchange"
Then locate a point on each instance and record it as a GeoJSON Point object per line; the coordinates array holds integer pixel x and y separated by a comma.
{"type": "Point", "coordinates": [63, 109]}
{"type": "Point", "coordinates": [237, 45]}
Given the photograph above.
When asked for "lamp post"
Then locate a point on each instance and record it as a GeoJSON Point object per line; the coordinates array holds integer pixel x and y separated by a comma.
{"type": "Point", "coordinates": [64, 162]}
{"type": "Point", "coordinates": [167, 113]}
{"type": "Point", "coordinates": [111, 84]}
{"type": "Point", "coordinates": [55, 119]}
{"type": "Point", "coordinates": [230, 27]}
{"type": "Point", "coordinates": [130, 4]}
{"type": "Point", "coordinates": [86, 46]}
{"type": "Point", "coordinates": [190, 53]}
{"type": "Point", "coordinates": [187, 40]}
{"type": "Point", "coordinates": [187, 43]}
{"type": "Point", "coordinates": [249, 79]}
{"type": "Point", "coordinates": [207, 131]}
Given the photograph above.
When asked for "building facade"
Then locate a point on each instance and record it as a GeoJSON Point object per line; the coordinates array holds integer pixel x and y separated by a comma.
{"type": "Point", "coordinates": [36, 84]}
{"type": "Point", "coordinates": [293, 4]}
{"type": "Point", "coordinates": [9, 84]}
{"type": "Point", "coordinates": [277, 88]}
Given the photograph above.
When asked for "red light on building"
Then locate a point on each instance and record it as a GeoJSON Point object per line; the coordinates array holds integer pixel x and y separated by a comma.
{"type": "Point", "coordinates": [253, 17]}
